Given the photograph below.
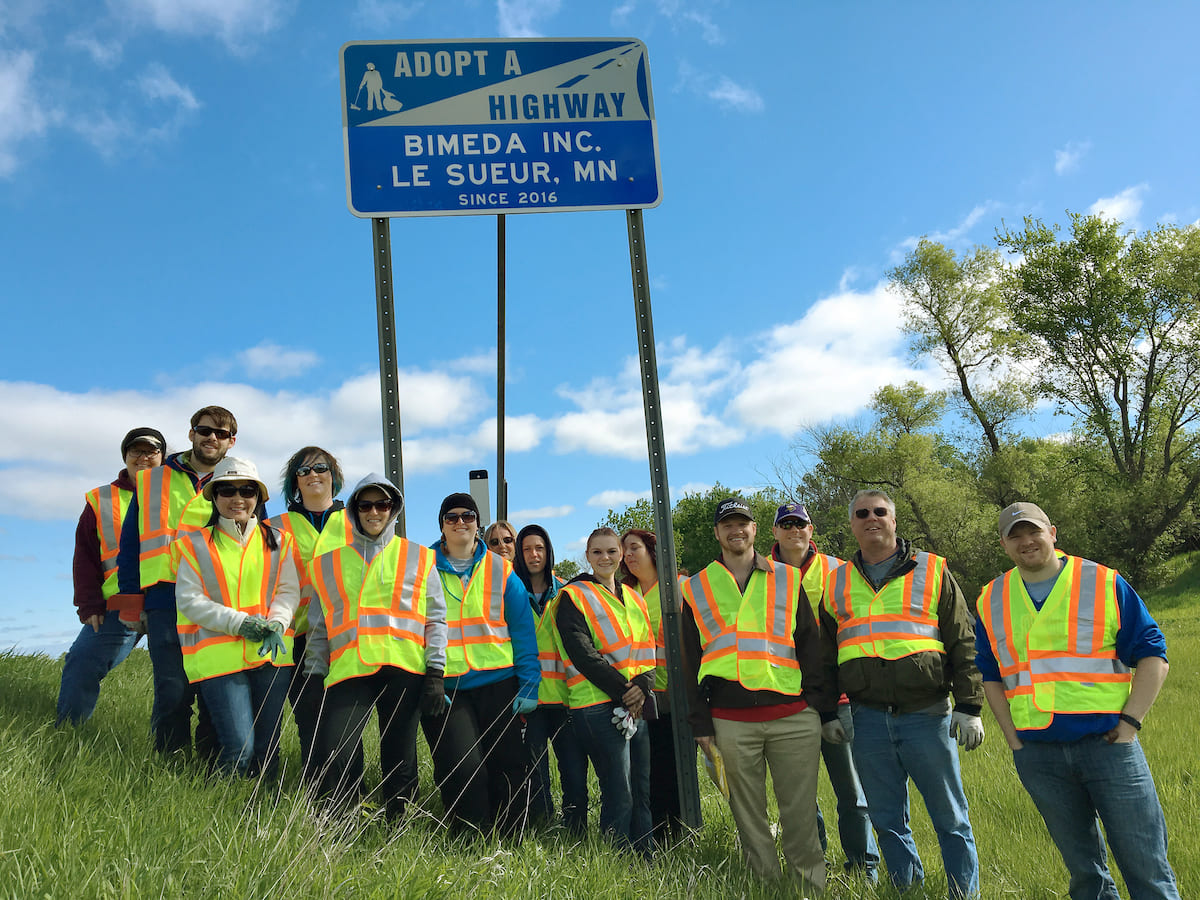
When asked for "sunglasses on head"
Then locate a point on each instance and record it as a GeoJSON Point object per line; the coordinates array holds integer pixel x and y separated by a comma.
{"type": "Point", "coordinates": [368, 505]}
{"type": "Point", "coordinates": [455, 518]}
{"type": "Point", "coordinates": [496, 542]}
{"type": "Point", "coordinates": [318, 468]}
{"type": "Point", "coordinates": [223, 434]}
{"type": "Point", "coordinates": [880, 512]}
{"type": "Point", "coordinates": [248, 491]}
{"type": "Point", "coordinates": [789, 524]}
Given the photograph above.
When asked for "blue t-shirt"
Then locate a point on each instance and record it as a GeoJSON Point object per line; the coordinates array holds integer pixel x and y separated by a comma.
{"type": "Point", "coordinates": [1138, 637]}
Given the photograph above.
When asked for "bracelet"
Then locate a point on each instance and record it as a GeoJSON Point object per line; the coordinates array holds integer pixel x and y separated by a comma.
{"type": "Point", "coordinates": [1126, 717]}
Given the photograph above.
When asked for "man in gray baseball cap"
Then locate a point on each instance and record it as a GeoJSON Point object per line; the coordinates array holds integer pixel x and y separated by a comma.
{"type": "Point", "coordinates": [1071, 663]}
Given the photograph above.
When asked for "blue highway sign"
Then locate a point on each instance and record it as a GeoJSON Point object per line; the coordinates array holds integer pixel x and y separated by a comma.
{"type": "Point", "coordinates": [482, 127]}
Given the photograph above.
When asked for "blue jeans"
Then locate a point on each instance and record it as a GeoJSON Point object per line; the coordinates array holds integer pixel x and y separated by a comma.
{"type": "Point", "coordinates": [888, 750]}
{"type": "Point", "coordinates": [623, 770]}
{"type": "Point", "coordinates": [246, 708]}
{"type": "Point", "coordinates": [93, 655]}
{"type": "Point", "coordinates": [854, 824]}
{"type": "Point", "coordinates": [171, 715]}
{"type": "Point", "coordinates": [552, 724]}
{"type": "Point", "coordinates": [1074, 783]}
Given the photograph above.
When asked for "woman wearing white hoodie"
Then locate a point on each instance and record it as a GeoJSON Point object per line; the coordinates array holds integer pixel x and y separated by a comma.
{"type": "Point", "coordinates": [236, 592]}
{"type": "Point", "coordinates": [379, 639]}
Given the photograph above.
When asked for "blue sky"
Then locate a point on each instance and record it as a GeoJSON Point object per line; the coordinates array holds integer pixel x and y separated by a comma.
{"type": "Point", "coordinates": [175, 233]}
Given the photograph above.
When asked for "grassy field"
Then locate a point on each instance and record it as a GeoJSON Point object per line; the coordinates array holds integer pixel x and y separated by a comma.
{"type": "Point", "coordinates": [93, 813]}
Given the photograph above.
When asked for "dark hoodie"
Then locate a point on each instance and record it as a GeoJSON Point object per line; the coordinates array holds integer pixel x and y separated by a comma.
{"type": "Point", "coordinates": [537, 602]}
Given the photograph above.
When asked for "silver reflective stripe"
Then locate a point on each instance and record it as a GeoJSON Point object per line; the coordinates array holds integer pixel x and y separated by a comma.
{"type": "Point", "coordinates": [109, 564]}
{"type": "Point", "coordinates": [392, 624]}
{"type": "Point", "coordinates": [208, 571]}
{"type": "Point", "coordinates": [1072, 665]}
{"type": "Point", "coordinates": [773, 587]}
{"type": "Point", "coordinates": [1019, 679]}
{"type": "Point", "coordinates": [995, 602]}
{"type": "Point", "coordinates": [155, 542]}
{"type": "Point", "coordinates": [854, 632]}
{"type": "Point", "coordinates": [1085, 627]}
{"type": "Point", "coordinates": [841, 576]}
{"type": "Point", "coordinates": [769, 646]}
{"type": "Point", "coordinates": [704, 604]}
{"type": "Point", "coordinates": [108, 529]}
{"type": "Point", "coordinates": [608, 629]}
{"type": "Point", "coordinates": [481, 630]}
{"type": "Point", "coordinates": [919, 629]}
{"type": "Point", "coordinates": [920, 579]}
{"type": "Point", "coordinates": [721, 642]}
{"type": "Point", "coordinates": [194, 638]}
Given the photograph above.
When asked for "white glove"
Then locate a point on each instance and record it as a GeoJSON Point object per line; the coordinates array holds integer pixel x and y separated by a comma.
{"type": "Point", "coordinates": [834, 733]}
{"type": "Point", "coordinates": [967, 729]}
{"type": "Point", "coordinates": [624, 723]}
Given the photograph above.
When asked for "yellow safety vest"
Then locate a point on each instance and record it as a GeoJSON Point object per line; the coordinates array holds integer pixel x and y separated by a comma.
{"type": "Point", "coordinates": [298, 525]}
{"type": "Point", "coordinates": [654, 610]}
{"type": "Point", "coordinates": [167, 503]}
{"type": "Point", "coordinates": [375, 612]}
{"type": "Point", "coordinates": [814, 579]}
{"type": "Point", "coordinates": [552, 690]}
{"type": "Point", "coordinates": [620, 633]}
{"type": "Point", "coordinates": [244, 578]}
{"type": "Point", "coordinates": [478, 632]}
{"type": "Point", "coordinates": [748, 638]}
{"type": "Point", "coordinates": [899, 620]}
{"type": "Point", "coordinates": [1063, 657]}
{"type": "Point", "coordinates": [109, 503]}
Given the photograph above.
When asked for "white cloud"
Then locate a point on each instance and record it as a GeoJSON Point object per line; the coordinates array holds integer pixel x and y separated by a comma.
{"type": "Point", "coordinates": [382, 13]}
{"type": "Point", "coordinates": [723, 90]}
{"type": "Point", "coordinates": [522, 18]}
{"type": "Point", "coordinates": [156, 83]}
{"type": "Point", "coordinates": [731, 95]}
{"type": "Point", "coordinates": [22, 115]}
{"type": "Point", "coordinates": [1067, 159]}
{"type": "Point", "coordinates": [616, 499]}
{"type": "Point", "coordinates": [1125, 207]}
{"type": "Point", "coordinates": [817, 367]}
{"type": "Point", "coordinates": [105, 54]}
{"type": "Point", "coordinates": [542, 512]}
{"type": "Point", "coordinates": [954, 236]}
{"type": "Point", "coordinates": [272, 360]}
{"type": "Point", "coordinates": [235, 22]}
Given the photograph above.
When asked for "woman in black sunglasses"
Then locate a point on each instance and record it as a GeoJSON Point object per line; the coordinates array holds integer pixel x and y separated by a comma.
{"type": "Point", "coordinates": [492, 676]}
{"type": "Point", "coordinates": [238, 587]}
{"type": "Point", "coordinates": [312, 478]}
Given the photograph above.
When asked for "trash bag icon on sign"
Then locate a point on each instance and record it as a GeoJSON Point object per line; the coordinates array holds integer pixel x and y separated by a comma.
{"type": "Point", "coordinates": [377, 96]}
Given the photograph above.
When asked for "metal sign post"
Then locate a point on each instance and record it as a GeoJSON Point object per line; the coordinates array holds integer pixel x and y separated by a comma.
{"type": "Point", "coordinates": [668, 590]}
{"type": "Point", "coordinates": [389, 378]}
{"type": "Point", "coordinates": [501, 483]}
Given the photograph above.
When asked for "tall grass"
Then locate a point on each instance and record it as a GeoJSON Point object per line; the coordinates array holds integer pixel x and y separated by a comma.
{"type": "Point", "coordinates": [92, 812]}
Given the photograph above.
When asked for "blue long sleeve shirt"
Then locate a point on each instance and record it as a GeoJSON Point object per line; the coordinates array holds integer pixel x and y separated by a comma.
{"type": "Point", "coordinates": [1138, 637]}
{"type": "Point", "coordinates": [518, 616]}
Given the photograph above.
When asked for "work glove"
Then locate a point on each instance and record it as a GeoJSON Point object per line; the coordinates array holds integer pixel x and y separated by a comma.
{"type": "Point", "coordinates": [272, 641]}
{"type": "Point", "coordinates": [625, 724]}
{"type": "Point", "coordinates": [523, 706]}
{"type": "Point", "coordinates": [254, 628]}
{"type": "Point", "coordinates": [434, 701]}
{"type": "Point", "coordinates": [834, 733]}
{"type": "Point", "coordinates": [967, 729]}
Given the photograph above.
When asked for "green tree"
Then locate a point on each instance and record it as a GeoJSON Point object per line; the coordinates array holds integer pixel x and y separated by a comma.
{"type": "Point", "coordinates": [956, 313]}
{"type": "Point", "coordinates": [566, 569]}
{"type": "Point", "coordinates": [1115, 323]}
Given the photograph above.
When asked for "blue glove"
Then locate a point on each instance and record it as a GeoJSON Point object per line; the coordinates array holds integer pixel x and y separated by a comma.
{"type": "Point", "coordinates": [523, 706]}
{"type": "Point", "coordinates": [272, 642]}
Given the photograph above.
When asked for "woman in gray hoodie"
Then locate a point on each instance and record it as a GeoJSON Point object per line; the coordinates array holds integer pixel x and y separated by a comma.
{"type": "Point", "coordinates": [379, 640]}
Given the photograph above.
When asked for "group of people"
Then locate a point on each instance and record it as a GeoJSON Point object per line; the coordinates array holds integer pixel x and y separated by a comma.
{"type": "Point", "coordinates": [876, 665]}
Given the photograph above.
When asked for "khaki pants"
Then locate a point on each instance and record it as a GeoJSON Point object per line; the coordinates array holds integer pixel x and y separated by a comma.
{"type": "Point", "coordinates": [791, 747]}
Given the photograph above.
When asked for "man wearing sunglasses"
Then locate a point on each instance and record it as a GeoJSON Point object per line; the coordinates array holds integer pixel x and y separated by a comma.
{"type": "Point", "coordinates": [906, 643]}
{"type": "Point", "coordinates": [165, 500]}
{"type": "Point", "coordinates": [794, 546]}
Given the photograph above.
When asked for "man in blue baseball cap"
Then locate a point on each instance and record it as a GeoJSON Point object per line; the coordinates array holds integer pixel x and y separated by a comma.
{"type": "Point", "coordinates": [794, 547]}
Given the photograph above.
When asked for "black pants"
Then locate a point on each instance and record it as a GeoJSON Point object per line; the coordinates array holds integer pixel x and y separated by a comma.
{"type": "Point", "coordinates": [337, 763]}
{"type": "Point", "coordinates": [306, 696]}
{"type": "Point", "coordinates": [665, 809]}
{"type": "Point", "coordinates": [479, 759]}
